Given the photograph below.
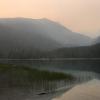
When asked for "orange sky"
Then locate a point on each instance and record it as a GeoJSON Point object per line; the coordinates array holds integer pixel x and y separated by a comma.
{"type": "Point", "coordinates": [78, 15]}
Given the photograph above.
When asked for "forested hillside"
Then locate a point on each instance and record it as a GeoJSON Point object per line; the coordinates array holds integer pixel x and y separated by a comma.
{"type": "Point", "coordinates": [72, 52]}
{"type": "Point", "coordinates": [78, 52]}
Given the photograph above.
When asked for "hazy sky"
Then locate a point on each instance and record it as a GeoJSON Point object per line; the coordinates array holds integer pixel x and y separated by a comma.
{"type": "Point", "coordinates": [78, 15]}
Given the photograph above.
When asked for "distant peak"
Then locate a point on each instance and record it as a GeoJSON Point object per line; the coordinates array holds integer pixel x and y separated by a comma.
{"type": "Point", "coordinates": [44, 19]}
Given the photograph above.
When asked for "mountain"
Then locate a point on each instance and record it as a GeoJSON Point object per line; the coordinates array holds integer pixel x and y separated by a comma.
{"type": "Point", "coordinates": [44, 28]}
{"type": "Point", "coordinates": [18, 34]}
{"type": "Point", "coordinates": [22, 33]}
{"type": "Point", "coordinates": [97, 40]}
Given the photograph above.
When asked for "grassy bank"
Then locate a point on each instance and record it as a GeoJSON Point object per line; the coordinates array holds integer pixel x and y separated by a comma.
{"type": "Point", "coordinates": [23, 76]}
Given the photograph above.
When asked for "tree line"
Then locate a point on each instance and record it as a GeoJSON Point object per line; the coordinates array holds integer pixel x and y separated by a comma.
{"type": "Point", "coordinates": [68, 52]}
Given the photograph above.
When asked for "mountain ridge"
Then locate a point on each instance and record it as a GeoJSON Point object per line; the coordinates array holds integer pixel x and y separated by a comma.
{"type": "Point", "coordinates": [47, 28]}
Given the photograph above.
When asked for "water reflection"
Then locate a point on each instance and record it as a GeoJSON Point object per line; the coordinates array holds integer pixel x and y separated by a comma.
{"type": "Point", "coordinates": [82, 70]}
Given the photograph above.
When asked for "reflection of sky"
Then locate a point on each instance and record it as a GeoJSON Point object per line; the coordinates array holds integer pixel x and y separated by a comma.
{"type": "Point", "coordinates": [86, 91]}
{"type": "Point", "coordinates": [78, 15]}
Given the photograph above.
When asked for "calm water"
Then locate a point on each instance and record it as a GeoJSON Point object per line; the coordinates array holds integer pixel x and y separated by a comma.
{"type": "Point", "coordinates": [82, 65]}
{"type": "Point", "coordinates": [83, 70]}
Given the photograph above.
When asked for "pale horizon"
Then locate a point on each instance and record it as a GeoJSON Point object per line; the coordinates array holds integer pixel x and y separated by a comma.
{"type": "Point", "coordinates": [80, 16]}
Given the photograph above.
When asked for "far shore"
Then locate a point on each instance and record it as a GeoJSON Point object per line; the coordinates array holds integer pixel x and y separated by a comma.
{"type": "Point", "coordinates": [50, 59]}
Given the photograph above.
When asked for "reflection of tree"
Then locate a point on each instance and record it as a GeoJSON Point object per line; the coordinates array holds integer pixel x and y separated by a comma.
{"type": "Point", "coordinates": [25, 77]}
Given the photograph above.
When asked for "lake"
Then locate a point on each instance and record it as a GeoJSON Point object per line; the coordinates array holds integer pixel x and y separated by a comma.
{"type": "Point", "coordinates": [82, 70]}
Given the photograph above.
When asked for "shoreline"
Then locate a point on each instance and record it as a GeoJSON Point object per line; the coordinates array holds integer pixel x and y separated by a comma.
{"type": "Point", "coordinates": [49, 59]}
